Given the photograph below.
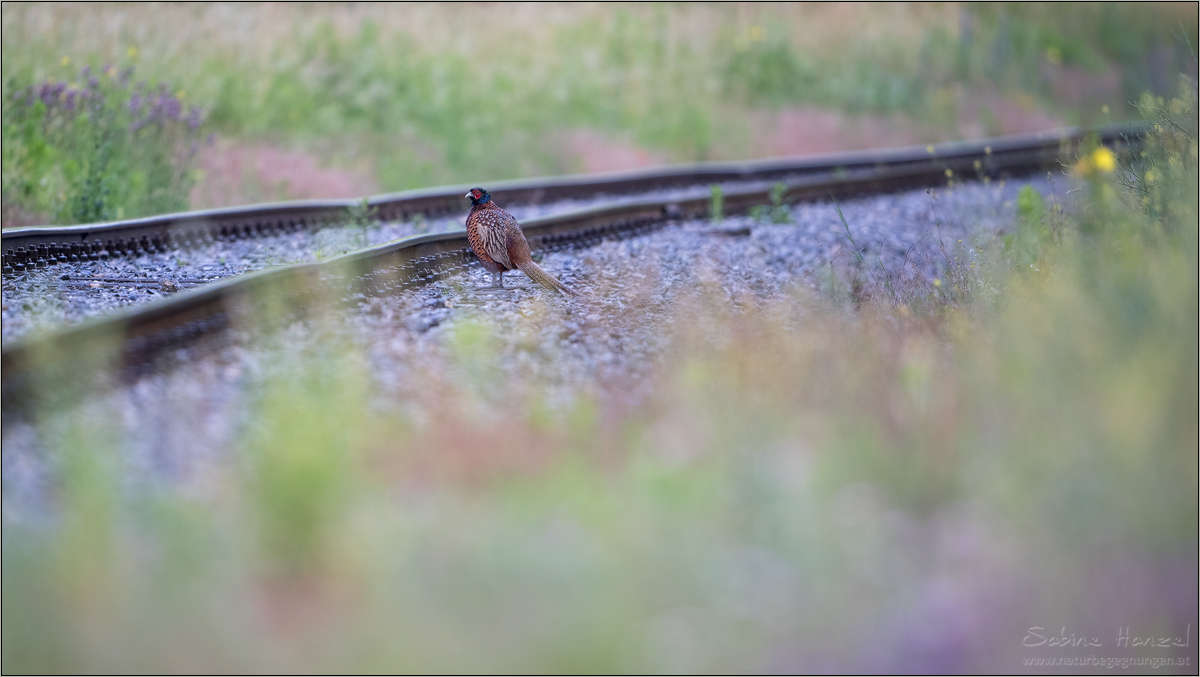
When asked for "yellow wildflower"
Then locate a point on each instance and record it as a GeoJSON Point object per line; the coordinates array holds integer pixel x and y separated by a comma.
{"type": "Point", "coordinates": [1099, 160]}
{"type": "Point", "coordinates": [1104, 160]}
{"type": "Point", "coordinates": [66, 61]}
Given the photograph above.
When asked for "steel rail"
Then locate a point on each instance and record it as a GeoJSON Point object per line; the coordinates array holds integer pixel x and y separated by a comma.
{"type": "Point", "coordinates": [131, 339]}
{"type": "Point", "coordinates": [35, 247]}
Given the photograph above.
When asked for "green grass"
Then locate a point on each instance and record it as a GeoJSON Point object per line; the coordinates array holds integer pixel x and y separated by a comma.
{"type": "Point", "coordinates": [429, 95]}
{"type": "Point", "coordinates": [808, 483]}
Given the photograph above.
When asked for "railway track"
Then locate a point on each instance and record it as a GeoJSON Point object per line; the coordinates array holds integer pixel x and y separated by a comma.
{"type": "Point", "coordinates": [132, 338]}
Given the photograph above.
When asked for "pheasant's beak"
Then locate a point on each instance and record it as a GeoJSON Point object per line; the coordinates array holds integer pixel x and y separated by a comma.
{"type": "Point", "coordinates": [468, 195]}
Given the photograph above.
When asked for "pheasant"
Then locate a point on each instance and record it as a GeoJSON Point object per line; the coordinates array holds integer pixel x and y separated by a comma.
{"type": "Point", "coordinates": [500, 245]}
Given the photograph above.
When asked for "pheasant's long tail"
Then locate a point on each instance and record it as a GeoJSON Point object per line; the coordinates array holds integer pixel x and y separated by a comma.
{"type": "Point", "coordinates": [535, 273]}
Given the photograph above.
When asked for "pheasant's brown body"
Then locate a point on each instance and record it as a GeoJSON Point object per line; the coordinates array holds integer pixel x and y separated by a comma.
{"type": "Point", "coordinates": [497, 240]}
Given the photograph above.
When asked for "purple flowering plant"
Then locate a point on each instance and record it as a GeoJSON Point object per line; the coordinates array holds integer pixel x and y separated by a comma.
{"type": "Point", "coordinates": [99, 146]}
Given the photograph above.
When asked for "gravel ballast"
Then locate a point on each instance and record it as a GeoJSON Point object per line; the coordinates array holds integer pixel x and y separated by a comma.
{"type": "Point", "coordinates": [68, 293]}
{"type": "Point", "coordinates": [188, 414]}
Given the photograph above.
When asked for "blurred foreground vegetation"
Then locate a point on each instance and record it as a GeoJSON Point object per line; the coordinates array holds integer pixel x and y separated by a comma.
{"type": "Point", "coordinates": [844, 482]}
{"type": "Point", "coordinates": [420, 95]}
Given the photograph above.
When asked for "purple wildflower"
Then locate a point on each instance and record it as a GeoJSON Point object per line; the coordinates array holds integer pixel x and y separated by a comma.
{"type": "Point", "coordinates": [51, 91]}
{"type": "Point", "coordinates": [135, 103]}
{"type": "Point", "coordinates": [156, 111]}
{"type": "Point", "coordinates": [172, 108]}
{"type": "Point", "coordinates": [195, 117]}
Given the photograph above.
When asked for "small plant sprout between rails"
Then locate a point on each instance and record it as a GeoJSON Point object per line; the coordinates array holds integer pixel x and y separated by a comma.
{"type": "Point", "coordinates": [716, 208]}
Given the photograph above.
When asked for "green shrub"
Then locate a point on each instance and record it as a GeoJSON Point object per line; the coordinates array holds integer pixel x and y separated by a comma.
{"type": "Point", "coordinates": [768, 73]}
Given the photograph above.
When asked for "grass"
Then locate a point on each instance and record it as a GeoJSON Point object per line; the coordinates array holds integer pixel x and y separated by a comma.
{"type": "Point", "coordinates": [909, 483]}
{"type": "Point", "coordinates": [434, 94]}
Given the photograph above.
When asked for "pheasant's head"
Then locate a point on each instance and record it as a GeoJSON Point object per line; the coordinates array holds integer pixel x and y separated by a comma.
{"type": "Point", "coordinates": [478, 196]}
